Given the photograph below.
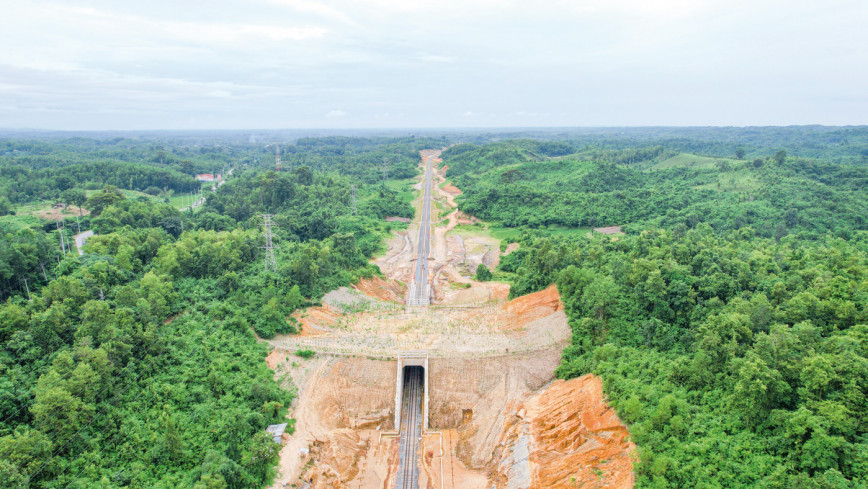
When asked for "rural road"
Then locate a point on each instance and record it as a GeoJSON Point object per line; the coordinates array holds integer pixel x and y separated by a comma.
{"type": "Point", "coordinates": [213, 189]}
{"type": "Point", "coordinates": [80, 239]}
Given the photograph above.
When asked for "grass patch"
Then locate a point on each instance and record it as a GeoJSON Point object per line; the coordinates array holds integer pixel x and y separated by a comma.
{"type": "Point", "coordinates": [732, 182]}
{"type": "Point", "coordinates": [397, 226]}
{"type": "Point", "coordinates": [404, 188]}
{"type": "Point", "coordinates": [22, 219]}
{"type": "Point", "coordinates": [27, 215]}
{"type": "Point", "coordinates": [688, 160]}
{"type": "Point", "coordinates": [511, 234]}
{"type": "Point", "coordinates": [180, 201]}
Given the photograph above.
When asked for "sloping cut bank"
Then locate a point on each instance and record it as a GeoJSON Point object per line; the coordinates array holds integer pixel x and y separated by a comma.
{"type": "Point", "coordinates": [565, 437]}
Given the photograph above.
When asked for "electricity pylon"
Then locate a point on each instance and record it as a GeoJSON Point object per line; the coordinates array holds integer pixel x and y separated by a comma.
{"type": "Point", "coordinates": [270, 264]}
{"type": "Point", "coordinates": [278, 165]}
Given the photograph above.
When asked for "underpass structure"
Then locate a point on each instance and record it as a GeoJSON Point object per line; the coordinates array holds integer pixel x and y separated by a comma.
{"type": "Point", "coordinates": [411, 430]}
{"type": "Point", "coordinates": [411, 414]}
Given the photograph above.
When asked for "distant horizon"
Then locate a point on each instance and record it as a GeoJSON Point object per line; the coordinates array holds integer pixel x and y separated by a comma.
{"type": "Point", "coordinates": [426, 128]}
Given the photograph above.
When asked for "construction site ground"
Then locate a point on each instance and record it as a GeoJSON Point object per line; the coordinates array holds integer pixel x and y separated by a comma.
{"type": "Point", "coordinates": [497, 417]}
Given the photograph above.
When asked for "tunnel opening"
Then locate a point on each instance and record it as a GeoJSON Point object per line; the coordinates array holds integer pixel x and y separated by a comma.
{"type": "Point", "coordinates": [412, 371]}
{"type": "Point", "coordinates": [411, 429]}
{"type": "Point", "coordinates": [413, 393]}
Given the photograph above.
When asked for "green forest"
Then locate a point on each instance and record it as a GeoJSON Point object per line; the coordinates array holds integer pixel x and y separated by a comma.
{"type": "Point", "coordinates": [728, 321]}
{"type": "Point", "coordinates": [516, 184]}
{"type": "Point", "coordinates": [136, 364]}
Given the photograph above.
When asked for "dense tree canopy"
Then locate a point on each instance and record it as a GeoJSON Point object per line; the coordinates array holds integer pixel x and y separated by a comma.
{"type": "Point", "coordinates": [728, 323]}
{"type": "Point", "coordinates": [508, 184]}
{"type": "Point", "coordinates": [136, 364]}
{"type": "Point", "coordinates": [737, 361]}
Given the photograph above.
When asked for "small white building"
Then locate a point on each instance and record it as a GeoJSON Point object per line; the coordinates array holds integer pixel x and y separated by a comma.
{"type": "Point", "coordinates": [276, 431]}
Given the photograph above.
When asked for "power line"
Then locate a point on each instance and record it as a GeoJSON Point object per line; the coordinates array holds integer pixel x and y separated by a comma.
{"type": "Point", "coordinates": [62, 248]}
{"type": "Point", "coordinates": [277, 163]}
{"type": "Point", "coordinates": [270, 263]}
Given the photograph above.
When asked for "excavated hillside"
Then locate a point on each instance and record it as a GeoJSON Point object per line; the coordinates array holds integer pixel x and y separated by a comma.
{"type": "Point", "coordinates": [497, 416]}
{"type": "Point", "coordinates": [565, 436]}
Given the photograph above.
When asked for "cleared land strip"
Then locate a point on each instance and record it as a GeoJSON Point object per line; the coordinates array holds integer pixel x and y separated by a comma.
{"type": "Point", "coordinates": [419, 290]}
{"type": "Point", "coordinates": [439, 345]}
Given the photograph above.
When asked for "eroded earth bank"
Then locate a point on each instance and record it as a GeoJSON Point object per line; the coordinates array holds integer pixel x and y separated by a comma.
{"type": "Point", "coordinates": [498, 418]}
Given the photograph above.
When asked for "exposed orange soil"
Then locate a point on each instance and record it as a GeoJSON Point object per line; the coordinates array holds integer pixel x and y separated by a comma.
{"type": "Point", "coordinates": [464, 219]}
{"type": "Point", "coordinates": [314, 320]}
{"type": "Point", "coordinates": [274, 358]}
{"type": "Point", "coordinates": [442, 468]}
{"type": "Point", "coordinates": [510, 248]}
{"type": "Point", "coordinates": [352, 458]}
{"type": "Point", "coordinates": [502, 422]}
{"type": "Point", "coordinates": [529, 308]}
{"type": "Point", "coordinates": [578, 440]}
{"type": "Point", "coordinates": [383, 289]}
{"type": "Point", "coordinates": [452, 189]}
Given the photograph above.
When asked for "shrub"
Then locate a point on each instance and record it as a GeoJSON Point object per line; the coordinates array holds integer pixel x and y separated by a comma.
{"type": "Point", "coordinates": [483, 274]}
{"type": "Point", "coordinates": [306, 354]}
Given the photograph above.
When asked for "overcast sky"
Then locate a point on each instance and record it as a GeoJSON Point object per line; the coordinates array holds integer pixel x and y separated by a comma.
{"type": "Point", "coordinates": [224, 64]}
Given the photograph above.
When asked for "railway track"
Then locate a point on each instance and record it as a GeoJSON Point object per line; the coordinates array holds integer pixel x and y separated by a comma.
{"type": "Point", "coordinates": [411, 428]}
{"type": "Point", "coordinates": [419, 291]}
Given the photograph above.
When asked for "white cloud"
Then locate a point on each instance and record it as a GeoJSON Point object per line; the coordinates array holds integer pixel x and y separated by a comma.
{"type": "Point", "coordinates": [433, 58]}
{"type": "Point", "coordinates": [318, 8]}
{"type": "Point", "coordinates": [559, 62]}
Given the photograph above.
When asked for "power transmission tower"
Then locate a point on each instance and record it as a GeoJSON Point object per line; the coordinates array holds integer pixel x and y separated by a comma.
{"type": "Point", "coordinates": [69, 241]}
{"type": "Point", "coordinates": [270, 264]}
{"type": "Point", "coordinates": [385, 171]}
{"type": "Point", "coordinates": [277, 164]}
{"type": "Point", "coordinates": [62, 247]}
{"type": "Point", "coordinates": [354, 199]}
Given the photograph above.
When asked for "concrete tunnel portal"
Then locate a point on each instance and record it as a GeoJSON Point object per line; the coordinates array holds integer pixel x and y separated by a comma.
{"type": "Point", "coordinates": [411, 414]}
{"type": "Point", "coordinates": [408, 359]}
